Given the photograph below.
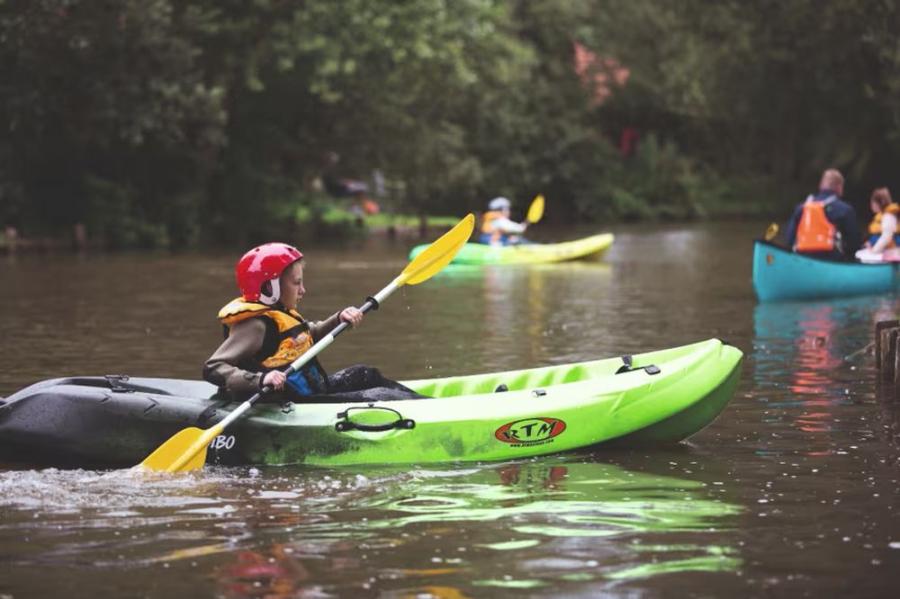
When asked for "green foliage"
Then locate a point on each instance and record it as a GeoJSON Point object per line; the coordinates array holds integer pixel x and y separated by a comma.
{"type": "Point", "coordinates": [172, 122]}
{"type": "Point", "coordinates": [657, 182]}
{"type": "Point", "coordinates": [774, 88]}
{"type": "Point", "coordinates": [115, 216]}
{"type": "Point", "coordinates": [94, 92]}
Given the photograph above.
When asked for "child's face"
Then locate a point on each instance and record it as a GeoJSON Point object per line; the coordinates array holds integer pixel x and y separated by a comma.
{"type": "Point", "coordinates": [291, 281]}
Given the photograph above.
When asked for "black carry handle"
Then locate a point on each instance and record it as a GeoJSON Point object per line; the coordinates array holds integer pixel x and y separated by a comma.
{"type": "Point", "coordinates": [628, 366]}
{"type": "Point", "coordinates": [348, 425]}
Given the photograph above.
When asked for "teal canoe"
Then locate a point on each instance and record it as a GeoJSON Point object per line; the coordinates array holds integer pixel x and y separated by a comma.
{"type": "Point", "coordinates": [779, 274]}
{"type": "Point", "coordinates": [532, 253]}
{"type": "Point", "coordinates": [658, 397]}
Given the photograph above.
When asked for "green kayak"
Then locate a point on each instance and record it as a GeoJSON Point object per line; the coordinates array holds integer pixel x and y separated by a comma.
{"type": "Point", "coordinates": [531, 253]}
{"type": "Point", "coordinates": [658, 397]}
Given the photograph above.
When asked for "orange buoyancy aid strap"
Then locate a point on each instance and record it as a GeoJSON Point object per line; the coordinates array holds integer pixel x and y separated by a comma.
{"type": "Point", "coordinates": [815, 233]}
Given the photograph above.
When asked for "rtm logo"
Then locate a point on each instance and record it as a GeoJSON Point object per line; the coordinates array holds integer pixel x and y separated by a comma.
{"type": "Point", "coordinates": [530, 431]}
{"type": "Point", "coordinates": [222, 442]}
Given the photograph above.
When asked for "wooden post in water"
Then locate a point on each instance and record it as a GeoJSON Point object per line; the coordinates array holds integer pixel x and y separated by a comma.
{"type": "Point", "coordinates": [79, 234]}
{"type": "Point", "coordinates": [12, 239]}
{"type": "Point", "coordinates": [889, 350]}
{"type": "Point", "coordinates": [886, 360]}
{"type": "Point", "coordinates": [896, 377]}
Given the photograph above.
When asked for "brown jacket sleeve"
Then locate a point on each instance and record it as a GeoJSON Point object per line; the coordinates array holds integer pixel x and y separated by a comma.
{"type": "Point", "coordinates": [244, 340]}
{"type": "Point", "coordinates": [323, 327]}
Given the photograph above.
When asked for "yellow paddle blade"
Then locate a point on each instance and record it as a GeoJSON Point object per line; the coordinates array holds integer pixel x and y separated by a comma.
{"type": "Point", "coordinates": [183, 452]}
{"type": "Point", "coordinates": [536, 210]}
{"type": "Point", "coordinates": [771, 232]}
{"type": "Point", "coordinates": [438, 255]}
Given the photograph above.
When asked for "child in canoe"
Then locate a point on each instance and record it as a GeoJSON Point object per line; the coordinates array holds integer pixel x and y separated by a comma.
{"type": "Point", "coordinates": [882, 245]}
{"type": "Point", "coordinates": [264, 334]}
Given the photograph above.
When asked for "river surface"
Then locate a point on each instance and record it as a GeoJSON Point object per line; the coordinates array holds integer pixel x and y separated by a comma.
{"type": "Point", "coordinates": [793, 491]}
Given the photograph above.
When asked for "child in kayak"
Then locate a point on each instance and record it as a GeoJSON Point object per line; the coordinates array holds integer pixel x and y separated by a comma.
{"type": "Point", "coordinates": [496, 226]}
{"type": "Point", "coordinates": [264, 334]}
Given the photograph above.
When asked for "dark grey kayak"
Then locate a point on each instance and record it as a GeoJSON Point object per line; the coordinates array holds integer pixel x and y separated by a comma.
{"type": "Point", "coordinates": [100, 421]}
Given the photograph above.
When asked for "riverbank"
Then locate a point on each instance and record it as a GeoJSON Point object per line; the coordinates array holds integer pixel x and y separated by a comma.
{"type": "Point", "coordinates": [11, 241]}
{"type": "Point", "coordinates": [335, 226]}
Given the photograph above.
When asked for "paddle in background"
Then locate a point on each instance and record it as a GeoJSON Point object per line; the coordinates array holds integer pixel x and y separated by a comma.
{"type": "Point", "coordinates": [186, 450]}
{"type": "Point", "coordinates": [536, 210]}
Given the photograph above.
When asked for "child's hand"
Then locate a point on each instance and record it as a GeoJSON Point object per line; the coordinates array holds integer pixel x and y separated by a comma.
{"type": "Point", "coordinates": [352, 316]}
{"type": "Point", "coordinates": [274, 378]}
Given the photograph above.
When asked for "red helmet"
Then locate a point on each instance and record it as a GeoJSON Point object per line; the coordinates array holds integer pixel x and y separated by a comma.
{"type": "Point", "coordinates": [261, 264]}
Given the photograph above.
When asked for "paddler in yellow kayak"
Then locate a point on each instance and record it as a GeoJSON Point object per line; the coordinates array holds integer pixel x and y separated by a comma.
{"type": "Point", "coordinates": [264, 333]}
{"type": "Point", "coordinates": [497, 228]}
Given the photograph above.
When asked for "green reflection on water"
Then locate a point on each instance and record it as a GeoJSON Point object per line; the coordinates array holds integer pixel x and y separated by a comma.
{"type": "Point", "coordinates": [711, 563]}
{"type": "Point", "coordinates": [593, 499]}
{"type": "Point", "coordinates": [642, 524]}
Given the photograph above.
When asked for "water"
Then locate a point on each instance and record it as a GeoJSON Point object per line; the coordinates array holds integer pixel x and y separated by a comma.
{"type": "Point", "coordinates": [793, 491]}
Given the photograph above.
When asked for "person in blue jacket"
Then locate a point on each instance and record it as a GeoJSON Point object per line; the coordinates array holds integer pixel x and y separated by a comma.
{"type": "Point", "coordinates": [824, 225]}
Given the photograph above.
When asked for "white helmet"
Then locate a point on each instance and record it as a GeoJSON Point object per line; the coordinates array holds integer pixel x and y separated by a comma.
{"type": "Point", "coordinates": [499, 203]}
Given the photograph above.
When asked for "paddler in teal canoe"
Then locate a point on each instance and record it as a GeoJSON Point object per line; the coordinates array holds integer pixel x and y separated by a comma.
{"type": "Point", "coordinates": [883, 244]}
{"type": "Point", "coordinates": [496, 227]}
{"type": "Point", "coordinates": [825, 226]}
{"type": "Point", "coordinates": [264, 334]}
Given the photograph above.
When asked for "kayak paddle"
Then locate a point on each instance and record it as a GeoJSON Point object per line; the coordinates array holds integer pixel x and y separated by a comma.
{"type": "Point", "coordinates": [536, 210]}
{"type": "Point", "coordinates": [186, 450]}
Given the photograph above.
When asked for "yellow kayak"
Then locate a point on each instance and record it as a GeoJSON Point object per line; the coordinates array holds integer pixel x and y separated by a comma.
{"type": "Point", "coordinates": [531, 253]}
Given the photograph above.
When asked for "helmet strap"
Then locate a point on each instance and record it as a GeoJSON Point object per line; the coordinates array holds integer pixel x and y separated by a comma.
{"type": "Point", "coordinates": [271, 298]}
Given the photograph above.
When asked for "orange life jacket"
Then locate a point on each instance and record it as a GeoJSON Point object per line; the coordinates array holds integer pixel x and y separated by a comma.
{"type": "Point", "coordinates": [816, 233]}
{"type": "Point", "coordinates": [287, 338]}
{"type": "Point", "coordinates": [487, 225]}
{"type": "Point", "coordinates": [875, 225]}
{"type": "Point", "coordinates": [293, 336]}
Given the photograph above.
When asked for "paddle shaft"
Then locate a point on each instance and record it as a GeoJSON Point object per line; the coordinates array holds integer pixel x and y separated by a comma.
{"type": "Point", "coordinates": [371, 303]}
